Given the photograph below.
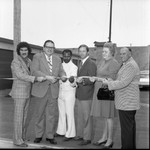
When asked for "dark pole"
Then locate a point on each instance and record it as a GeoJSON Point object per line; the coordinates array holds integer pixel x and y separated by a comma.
{"type": "Point", "coordinates": [110, 21]}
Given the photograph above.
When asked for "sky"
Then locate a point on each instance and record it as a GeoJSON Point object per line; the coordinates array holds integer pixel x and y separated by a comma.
{"type": "Point", "coordinates": [70, 23]}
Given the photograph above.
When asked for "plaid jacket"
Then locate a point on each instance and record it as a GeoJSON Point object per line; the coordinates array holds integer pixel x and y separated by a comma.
{"type": "Point", "coordinates": [126, 86]}
{"type": "Point", "coordinates": [22, 79]}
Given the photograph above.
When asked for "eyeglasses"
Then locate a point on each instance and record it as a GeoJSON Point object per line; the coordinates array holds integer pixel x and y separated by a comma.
{"type": "Point", "coordinates": [49, 47]}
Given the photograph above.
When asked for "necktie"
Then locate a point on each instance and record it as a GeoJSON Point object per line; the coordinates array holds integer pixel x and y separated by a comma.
{"type": "Point", "coordinates": [50, 64]}
{"type": "Point", "coordinates": [80, 66]}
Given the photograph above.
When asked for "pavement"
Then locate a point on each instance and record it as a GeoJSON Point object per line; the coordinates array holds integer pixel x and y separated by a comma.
{"type": "Point", "coordinates": [6, 127]}
{"type": "Point", "coordinates": [7, 143]}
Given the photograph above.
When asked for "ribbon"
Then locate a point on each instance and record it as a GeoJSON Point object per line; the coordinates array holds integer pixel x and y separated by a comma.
{"type": "Point", "coordinates": [87, 77]}
{"type": "Point", "coordinates": [8, 78]}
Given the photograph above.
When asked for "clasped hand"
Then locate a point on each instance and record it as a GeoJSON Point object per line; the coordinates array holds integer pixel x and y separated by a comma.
{"type": "Point", "coordinates": [52, 79]}
{"type": "Point", "coordinates": [71, 79]}
{"type": "Point", "coordinates": [40, 79]}
{"type": "Point", "coordinates": [79, 80]}
{"type": "Point", "coordinates": [93, 79]}
{"type": "Point", "coordinates": [63, 78]}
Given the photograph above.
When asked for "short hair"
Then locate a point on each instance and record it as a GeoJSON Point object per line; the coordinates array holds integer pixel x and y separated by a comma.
{"type": "Point", "coordinates": [83, 45]}
{"type": "Point", "coordinates": [67, 51]}
{"type": "Point", "coordinates": [128, 48]}
{"type": "Point", "coordinates": [111, 47]}
{"type": "Point", "coordinates": [47, 42]}
{"type": "Point", "coordinates": [21, 45]}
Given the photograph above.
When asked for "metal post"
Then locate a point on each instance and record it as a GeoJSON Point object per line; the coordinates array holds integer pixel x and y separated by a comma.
{"type": "Point", "coordinates": [17, 25]}
{"type": "Point", "coordinates": [110, 21]}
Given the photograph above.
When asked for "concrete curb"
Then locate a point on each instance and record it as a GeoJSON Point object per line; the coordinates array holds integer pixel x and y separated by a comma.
{"type": "Point", "coordinates": [8, 143]}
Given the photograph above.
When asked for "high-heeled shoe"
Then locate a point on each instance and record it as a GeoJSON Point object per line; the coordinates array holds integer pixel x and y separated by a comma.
{"type": "Point", "coordinates": [99, 143]}
{"type": "Point", "coordinates": [109, 146]}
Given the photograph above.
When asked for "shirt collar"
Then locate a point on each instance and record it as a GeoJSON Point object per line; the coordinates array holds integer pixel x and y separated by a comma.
{"type": "Point", "coordinates": [48, 57]}
{"type": "Point", "coordinates": [128, 60]}
{"type": "Point", "coordinates": [67, 63]}
{"type": "Point", "coordinates": [83, 61]}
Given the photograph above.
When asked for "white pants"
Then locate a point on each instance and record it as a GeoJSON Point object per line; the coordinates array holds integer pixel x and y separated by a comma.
{"type": "Point", "coordinates": [66, 122]}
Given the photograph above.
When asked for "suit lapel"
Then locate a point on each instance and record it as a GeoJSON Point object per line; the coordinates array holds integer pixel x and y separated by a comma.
{"type": "Point", "coordinates": [84, 65]}
{"type": "Point", "coordinates": [23, 64]}
{"type": "Point", "coordinates": [53, 64]}
{"type": "Point", "coordinates": [44, 60]}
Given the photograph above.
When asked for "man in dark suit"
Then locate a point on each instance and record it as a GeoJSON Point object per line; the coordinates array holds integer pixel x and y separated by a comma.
{"type": "Point", "coordinates": [49, 65]}
{"type": "Point", "coordinates": [84, 95]}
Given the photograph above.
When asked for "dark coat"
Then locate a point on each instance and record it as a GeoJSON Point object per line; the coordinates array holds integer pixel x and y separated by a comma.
{"type": "Point", "coordinates": [85, 89]}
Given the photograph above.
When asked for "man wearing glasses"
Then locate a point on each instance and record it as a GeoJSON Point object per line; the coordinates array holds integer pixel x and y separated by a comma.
{"type": "Point", "coordinates": [49, 65]}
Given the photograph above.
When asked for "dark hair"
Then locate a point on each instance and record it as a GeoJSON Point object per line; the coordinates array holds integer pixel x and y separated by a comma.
{"type": "Point", "coordinates": [111, 47]}
{"type": "Point", "coordinates": [83, 45]}
{"type": "Point", "coordinates": [21, 45]}
{"type": "Point", "coordinates": [67, 51]}
{"type": "Point", "coordinates": [129, 49]}
{"type": "Point", "coordinates": [47, 42]}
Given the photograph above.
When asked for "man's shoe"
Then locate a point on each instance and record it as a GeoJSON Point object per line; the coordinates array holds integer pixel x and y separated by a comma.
{"type": "Point", "coordinates": [58, 135]}
{"type": "Point", "coordinates": [22, 145]}
{"type": "Point", "coordinates": [77, 138]}
{"type": "Point", "coordinates": [67, 139]}
{"type": "Point", "coordinates": [52, 141]}
{"type": "Point", "coordinates": [37, 140]}
{"type": "Point", "coordinates": [85, 142]}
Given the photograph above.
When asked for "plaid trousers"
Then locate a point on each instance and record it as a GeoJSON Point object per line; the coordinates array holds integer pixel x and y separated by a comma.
{"type": "Point", "coordinates": [20, 115]}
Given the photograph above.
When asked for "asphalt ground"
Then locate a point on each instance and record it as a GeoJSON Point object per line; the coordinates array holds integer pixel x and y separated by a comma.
{"type": "Point", "coordinates": [6, 127]}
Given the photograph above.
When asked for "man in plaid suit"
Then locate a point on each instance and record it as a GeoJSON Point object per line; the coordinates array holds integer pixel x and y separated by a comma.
{"type": "Point", "coordinates": [20, 92]}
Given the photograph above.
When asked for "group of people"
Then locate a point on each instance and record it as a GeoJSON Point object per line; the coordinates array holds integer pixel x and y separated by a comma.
{"type": "Point", "coordinates": [63, 84]}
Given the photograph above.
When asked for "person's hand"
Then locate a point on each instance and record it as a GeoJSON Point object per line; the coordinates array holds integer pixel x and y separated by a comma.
{"type": "Point", "coordinates": [109, 79]}
{"type": "Point", "coordinates": [100, 79]}
{"type": "Point", "coordinates": [71, 79]}
{"type": "Point", "coordinates": [104, 86]}
{"type": "Point", "coordinates": [40, 79]}
{"type": "Point", "coordinates": [52, 79]}
{"type": "Point", "coordinates": [79, 80]}
{"type": "Point", "coordinates": [63, 78]}
{"type": "Point", "coordinates": [92, 79]}
{"type": "Point", "coordinates": [105, 81]}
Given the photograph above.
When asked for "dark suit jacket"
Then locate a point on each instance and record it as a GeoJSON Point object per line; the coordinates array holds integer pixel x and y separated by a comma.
{"type": "Point", "coordinates": [40, 68]}
{"type": "Point", "coordinates": [85, 90]}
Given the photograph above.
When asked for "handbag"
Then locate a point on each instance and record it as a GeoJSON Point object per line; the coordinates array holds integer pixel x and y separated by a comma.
{"type": "Point", "coordinates": [105, 94]}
